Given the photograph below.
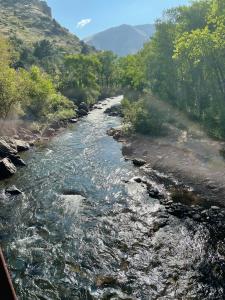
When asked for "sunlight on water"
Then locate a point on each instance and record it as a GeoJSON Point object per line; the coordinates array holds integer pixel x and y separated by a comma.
{"type": "Point", "coordinates": [80, 232]}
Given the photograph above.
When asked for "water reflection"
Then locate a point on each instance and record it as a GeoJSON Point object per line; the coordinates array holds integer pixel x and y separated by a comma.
{"type": "Point", "coordinates": [80, 232]}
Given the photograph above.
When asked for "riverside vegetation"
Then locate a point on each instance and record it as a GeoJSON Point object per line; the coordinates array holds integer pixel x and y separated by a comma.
{"type": "Point", "coordinates": [47, 76]}
{"type": "Point", "coordinates": [83, 222]}
{"type": "Point", "coordinates": [183, 65]}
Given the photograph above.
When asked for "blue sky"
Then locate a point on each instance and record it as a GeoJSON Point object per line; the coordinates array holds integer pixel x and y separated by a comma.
{"type": "Point", "coordinates": [86, 17]}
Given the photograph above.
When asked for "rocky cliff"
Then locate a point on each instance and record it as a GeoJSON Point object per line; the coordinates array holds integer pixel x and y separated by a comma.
{"type": "Point", "coordinates": [31, 21]}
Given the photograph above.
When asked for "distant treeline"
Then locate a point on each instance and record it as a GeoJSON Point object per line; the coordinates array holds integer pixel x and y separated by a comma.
{"type": "Point", "coordinates": [183, 64]}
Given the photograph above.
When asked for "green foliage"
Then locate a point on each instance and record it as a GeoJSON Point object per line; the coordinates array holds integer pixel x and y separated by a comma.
{"type": "Point", "coordinates": [130, 72]}
{"type": "Point", "coordinates": [29, 93]}
{"type": "Point", "coordinates": [11, 83]}
{"type": "Point", "coordinates": [43, 49]}
{"type": "Point", "coordinates": [184, 62]}
{"type": "Point", "coordinates": [44, 102]}
{"type": "Point", "coordinates": [11, 91]}
{"type": "Point", "coordinates": [84, 78]}
{"type": "Point", "coordinates": [143, 117]}
{"type": "Point", "coordinates": [107, 75]}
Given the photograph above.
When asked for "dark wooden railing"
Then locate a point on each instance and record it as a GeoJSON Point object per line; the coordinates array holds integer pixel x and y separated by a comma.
{"type": "Point", "coordinates": [7, 291]}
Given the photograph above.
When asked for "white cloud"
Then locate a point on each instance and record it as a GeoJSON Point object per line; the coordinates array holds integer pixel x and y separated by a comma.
{"type": "Point", "coordinates": [83, 23]}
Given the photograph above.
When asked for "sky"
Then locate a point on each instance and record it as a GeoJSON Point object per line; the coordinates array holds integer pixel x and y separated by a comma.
{"type": "Point", "coordinates": [87, 17]}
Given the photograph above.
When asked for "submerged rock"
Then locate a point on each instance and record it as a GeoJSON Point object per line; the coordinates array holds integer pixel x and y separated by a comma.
{"type": "Point", "coordinates": [102, 280]}
{"type": "Point", "coordinates": [139, 162]}
{"type": "Point", "coordinates": [137, 179]}
{"type": "Point", "coordinates": [13, 190]}
{"type": "Point", "coordinates": [7, 168]}
{"type": "Point", "coordinates": [71, 192]}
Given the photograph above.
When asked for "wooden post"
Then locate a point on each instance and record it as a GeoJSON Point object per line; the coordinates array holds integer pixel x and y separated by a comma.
{"type": "Point", "coordinates": [7, 291]}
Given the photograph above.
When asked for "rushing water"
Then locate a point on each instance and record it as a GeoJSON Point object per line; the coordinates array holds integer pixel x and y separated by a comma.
{"type": "Point", "coordinates": [80, 231]}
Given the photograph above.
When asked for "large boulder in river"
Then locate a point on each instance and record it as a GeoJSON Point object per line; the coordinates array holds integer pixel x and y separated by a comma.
{"type": "Point", "coordinates": [22, 145]}
{"type": "Point", "coordinates": [7, 168]}
{"type": "Point", "coordinates": [6, 149]}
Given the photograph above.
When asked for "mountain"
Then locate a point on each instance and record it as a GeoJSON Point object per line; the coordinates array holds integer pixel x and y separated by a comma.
{"type": "Point", "coordinates": [122, 40]}
{"type": "Point", "coordinates": [31, 21]}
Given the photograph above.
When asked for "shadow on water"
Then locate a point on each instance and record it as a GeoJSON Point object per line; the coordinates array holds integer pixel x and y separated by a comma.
{"type": "Point", "coordinates": [83, 230]}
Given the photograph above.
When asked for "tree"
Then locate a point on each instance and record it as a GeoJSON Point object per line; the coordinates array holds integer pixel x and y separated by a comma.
{"type": "Point", "coordinates": [80, 77]}
{"type": "Point", "coordinates": [131, 73]}
{"type": "Point", "coordinates": [44, 102]}
{"type": "Point", "coordinates": [43, 49]}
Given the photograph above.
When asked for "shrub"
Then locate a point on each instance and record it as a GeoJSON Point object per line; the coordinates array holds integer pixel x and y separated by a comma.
{"type": "Point", "coordinates": [144, 117]}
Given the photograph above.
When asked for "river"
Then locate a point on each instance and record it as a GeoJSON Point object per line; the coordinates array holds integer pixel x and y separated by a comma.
{"type": "Point", "coordinates": [82, 231]}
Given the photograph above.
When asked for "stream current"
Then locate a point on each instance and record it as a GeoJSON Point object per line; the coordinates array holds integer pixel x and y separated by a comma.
{"type": "Point", "coordinates": [81, 230]}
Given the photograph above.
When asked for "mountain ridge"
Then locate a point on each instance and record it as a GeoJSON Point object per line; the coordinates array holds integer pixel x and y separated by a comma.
{"type": "Point", "coordinates": [122, 40]}
{"type": "Point", "coordinates": [32, 21]}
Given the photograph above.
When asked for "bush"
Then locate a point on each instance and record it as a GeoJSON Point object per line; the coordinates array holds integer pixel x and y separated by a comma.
{"type": "Point", "coordinates": [43, 101]}
{"type": "Point", "coordinates": [144, 117]}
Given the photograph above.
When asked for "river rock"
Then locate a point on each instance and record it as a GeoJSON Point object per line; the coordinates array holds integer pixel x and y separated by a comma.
{"type": "Point", "coordinates": [114, 111]}
{"type": "Point", "coordinates": [154, 193]}
{"type": "Point", "coordinates": [116, 133]}
{"type": "Point", "coordinates": [32, 143]}
{"type": "Point", "coordinates": [6, 149]}
{"type": "Point", "coordinates": [11, 142]}
{"type": "Point", "coordinates": [83, 106]}
{"type": "Point", "coordinates": [17, 160]}
{"type": "Point", "coordinates": [139, 162]}
{"type": "Point", "coordinates": [137, 179]}
{"type": "Point", "coordinates": [73, 121]}
{"type": "Point", "coordinates": [7, 168]}
{"type": "Point", "coordinates": [13, 190]}
{"type": "Point", "coordinates": [49, 132]}
{"type": "Point", "coordinates": [22, 145]}
{"type": "Point", "coordinates": [36, 131]}
{"type": "Point", "coordinates": [82, 113]}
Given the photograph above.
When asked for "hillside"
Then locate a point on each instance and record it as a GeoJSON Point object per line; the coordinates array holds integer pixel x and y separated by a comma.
{"type": "Point", "coordinates": [122, 40]}
{"type": "Point", "coordinates": [31, 21]}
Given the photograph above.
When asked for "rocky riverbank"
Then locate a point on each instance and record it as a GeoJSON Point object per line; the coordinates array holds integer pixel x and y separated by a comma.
{"type": "Point", "coordinates": [95, 216]}
{"type": "Point", "coordinates": [189, 163]}
{"type": "Point", "coordinates": [17, 137]}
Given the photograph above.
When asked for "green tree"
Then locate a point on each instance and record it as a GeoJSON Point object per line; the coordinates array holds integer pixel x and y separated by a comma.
{"type": "Point", "coordinates": [131, 74]}
{"type": "Point", "coordinates": [80, 78]}
{"type": "Point", "coordinates": [44, 102]}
